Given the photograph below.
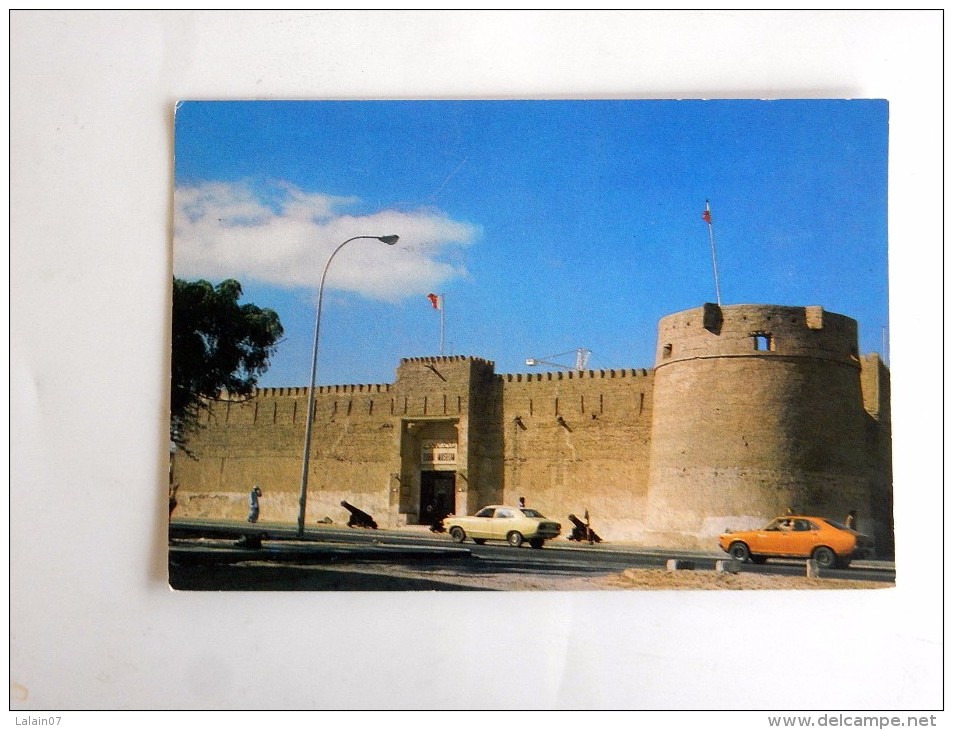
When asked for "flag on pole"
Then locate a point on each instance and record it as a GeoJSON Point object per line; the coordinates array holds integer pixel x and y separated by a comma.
{"type": "Point", "coordinates": [706, 216]}
{"type": "Point", "coordinates": [437, 301]}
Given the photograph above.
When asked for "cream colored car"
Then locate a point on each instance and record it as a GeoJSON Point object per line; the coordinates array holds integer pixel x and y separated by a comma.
{"type": "Point", "coordinates": [500, 522]}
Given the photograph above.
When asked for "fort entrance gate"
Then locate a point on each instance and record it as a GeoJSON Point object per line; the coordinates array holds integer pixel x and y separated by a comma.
{"type": "Point", "coordinates": [436, 495]}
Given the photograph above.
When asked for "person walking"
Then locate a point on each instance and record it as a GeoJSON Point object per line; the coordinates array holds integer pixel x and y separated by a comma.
{"type": "Point", "coordinates": [253, 503]}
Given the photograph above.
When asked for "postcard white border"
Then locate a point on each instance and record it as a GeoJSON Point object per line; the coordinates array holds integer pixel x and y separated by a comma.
{"type": "Point", "coordinates": [93, 625]}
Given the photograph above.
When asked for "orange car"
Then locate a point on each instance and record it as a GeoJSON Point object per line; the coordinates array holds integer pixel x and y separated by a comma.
{"type": "Point", "coordinates": [828, 542]}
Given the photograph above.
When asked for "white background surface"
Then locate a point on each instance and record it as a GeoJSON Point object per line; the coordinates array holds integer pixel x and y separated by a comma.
{"type": "Point", "coordinates": [93, 624]}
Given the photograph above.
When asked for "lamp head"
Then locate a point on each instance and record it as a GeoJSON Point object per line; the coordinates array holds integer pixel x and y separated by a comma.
{"type": "Point", "coordinates": [389, 240]}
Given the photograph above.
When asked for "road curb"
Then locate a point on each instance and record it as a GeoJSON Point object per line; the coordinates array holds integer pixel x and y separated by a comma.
{"type": "Point", "coordinates": [282, 552]}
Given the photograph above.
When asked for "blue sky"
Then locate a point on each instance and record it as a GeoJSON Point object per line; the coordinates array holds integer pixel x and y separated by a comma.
{"type": "Point", "coordinates": [546, 225]}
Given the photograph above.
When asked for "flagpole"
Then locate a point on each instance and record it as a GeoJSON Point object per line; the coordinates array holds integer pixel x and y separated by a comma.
{"type": "Point", "coordinates": [436, 300]}
{"type": "Point", "coordinates": [443, 304]}
{"type": "Point", "coordinates": [714, 260]}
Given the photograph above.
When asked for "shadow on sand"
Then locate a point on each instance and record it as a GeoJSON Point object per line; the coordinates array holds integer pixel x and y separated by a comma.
{"type": "Point", "coordinates": [271, 577]}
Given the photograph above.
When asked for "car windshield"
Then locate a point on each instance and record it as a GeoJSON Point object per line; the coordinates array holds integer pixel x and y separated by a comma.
{"type": "Point", "coordinates": [530, 512]}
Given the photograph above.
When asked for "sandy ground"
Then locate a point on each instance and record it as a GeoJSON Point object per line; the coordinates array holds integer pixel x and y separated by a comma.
{"type": "Point", "coordinates": [632, 579]}
{"type": "Point", "coordinates": [709, 580]}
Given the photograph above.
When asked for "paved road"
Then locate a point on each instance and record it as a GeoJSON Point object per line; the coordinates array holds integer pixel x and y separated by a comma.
{"type": "Point", "coordinates": [197, 542]}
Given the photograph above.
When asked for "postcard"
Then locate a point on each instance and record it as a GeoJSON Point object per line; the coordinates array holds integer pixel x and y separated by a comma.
{"type": "Point", "coordinates": [530, 345]}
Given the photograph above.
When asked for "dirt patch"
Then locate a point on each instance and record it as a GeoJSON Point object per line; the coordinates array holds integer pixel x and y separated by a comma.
{"type": "Point", "coordinates": [712, 581]}
{"type": "Point", "coordinates": [653, 580]}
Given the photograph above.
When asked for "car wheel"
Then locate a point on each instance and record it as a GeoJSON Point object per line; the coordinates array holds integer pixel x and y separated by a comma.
{"type": "Point", "coordinates": [514, 538]}
{"type": "Point", "coordinates": [739, 551]}
{"type": "Point", "coordinates": [536, 543]}
{"type": "Point", "coordinates": [457, 534]}
{"type": "Point", "coordinates": [479, 540]}
{"type": "Point", "coordinates": [825, 557]}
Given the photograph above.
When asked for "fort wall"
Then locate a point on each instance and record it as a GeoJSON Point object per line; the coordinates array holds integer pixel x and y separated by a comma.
{"type": "Point", "coordinates": [749, 410]}
{"type": "Point", "coordinates": [578, 441]}
{"type": "Point", "coordinates": [261, 441]}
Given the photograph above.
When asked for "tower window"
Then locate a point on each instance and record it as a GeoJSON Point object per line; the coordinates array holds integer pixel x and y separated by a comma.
{"type": "Point", "coordinates": [763, 342]}
{"type": "Point", "coordinates": [667, 350]}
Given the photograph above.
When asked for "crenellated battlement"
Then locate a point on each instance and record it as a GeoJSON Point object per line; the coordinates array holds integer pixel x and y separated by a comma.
{"type": "Point", "coordinates": [549, 376]}
{"type": "Point", "coordinates": [756, 331]}
{"type": "Point", "coordinates": [297, 392]}
{"type": "Point", "coordinates": [445, 359]}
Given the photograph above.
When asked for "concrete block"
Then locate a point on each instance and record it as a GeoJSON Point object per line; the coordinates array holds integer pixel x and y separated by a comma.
{"type": "Point", "coordinates": [727, 566]}
{"type": "Point", "coordinates": [675, 564]}
{"type": "Point", "coordinates": [812, 570]}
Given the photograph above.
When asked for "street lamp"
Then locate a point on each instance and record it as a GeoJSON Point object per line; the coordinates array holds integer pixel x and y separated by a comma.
{"type": "Point", "coordinates": [303, 500]}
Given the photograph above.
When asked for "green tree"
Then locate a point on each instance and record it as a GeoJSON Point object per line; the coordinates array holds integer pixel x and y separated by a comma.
{"type": "Point", "coordinates": [218, 346]}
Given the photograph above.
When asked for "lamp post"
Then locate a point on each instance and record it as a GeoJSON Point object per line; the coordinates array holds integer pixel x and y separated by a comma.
{"type": "Point", "coordinates": [303, 500]}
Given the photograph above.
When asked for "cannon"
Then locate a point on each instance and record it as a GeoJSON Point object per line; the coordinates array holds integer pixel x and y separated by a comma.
{"type": "Point", "coordinates": [358, 518]}
{"type": "Point", "coordinates": [581, 531]}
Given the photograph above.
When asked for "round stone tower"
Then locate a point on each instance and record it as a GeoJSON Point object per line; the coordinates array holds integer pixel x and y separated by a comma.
{"type": "Point", "coordinates": [758, 409]}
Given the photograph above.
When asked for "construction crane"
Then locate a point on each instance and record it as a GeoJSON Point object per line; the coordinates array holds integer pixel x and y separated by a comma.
{"type": "Point", "coordinates": [582, 360]}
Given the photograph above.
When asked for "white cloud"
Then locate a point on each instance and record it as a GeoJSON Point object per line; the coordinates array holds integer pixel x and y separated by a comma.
{"type": "Point", "coordinates": [283, 236]}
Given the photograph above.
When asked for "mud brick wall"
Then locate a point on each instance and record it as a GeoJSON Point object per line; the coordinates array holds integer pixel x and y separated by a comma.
{"type": "Point", "coordinates": [577, 441]}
